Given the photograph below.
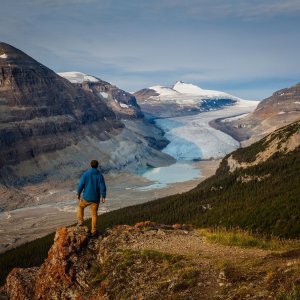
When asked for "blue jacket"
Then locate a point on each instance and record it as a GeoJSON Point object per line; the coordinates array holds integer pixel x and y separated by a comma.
{"type": "Point", "coordinates": [93, 185]}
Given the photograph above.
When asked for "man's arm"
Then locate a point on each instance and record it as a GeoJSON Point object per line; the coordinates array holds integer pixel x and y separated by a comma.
{"type": "Point", "coordinates": [80, 186]}
{"type": "Point", "coordinates": [102, 187]}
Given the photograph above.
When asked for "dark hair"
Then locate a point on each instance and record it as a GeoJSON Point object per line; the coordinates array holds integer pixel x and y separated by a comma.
{"type": "Point", "coordinates": [94, 164]}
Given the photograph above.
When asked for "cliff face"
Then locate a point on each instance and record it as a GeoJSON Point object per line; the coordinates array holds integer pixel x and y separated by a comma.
{"type": "Point", "coordinates": [282, 101]}
{"type": "Point", "coordinates": [41, 112]}
{"type": "Point", "coordinates": [121, 102]}
{"type": "Point", "coordinates": [151, 261]}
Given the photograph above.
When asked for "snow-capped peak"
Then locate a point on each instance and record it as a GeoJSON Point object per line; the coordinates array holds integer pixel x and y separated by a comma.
{"type": "Point", "coordinates": [187, 92]}
{"type": "Point", "coordinates": [164, 91]}
{"type": "Point", "coordinates": [78, 77]}
{"type": "Point", "coordinates": [187, 88]}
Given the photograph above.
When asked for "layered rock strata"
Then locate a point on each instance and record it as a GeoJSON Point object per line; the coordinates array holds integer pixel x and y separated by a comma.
{"type": "Point", "coordinates": [278, 110]}
{"type": "Point", "coordinates": [41, 112]}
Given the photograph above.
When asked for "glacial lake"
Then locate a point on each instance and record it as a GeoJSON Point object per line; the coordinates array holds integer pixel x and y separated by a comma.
{"type": "Point", "coordinates": [164, 176]}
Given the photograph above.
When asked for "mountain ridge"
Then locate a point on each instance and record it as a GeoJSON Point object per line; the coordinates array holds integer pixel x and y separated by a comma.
{"type": "Point", "coordinates": [278, 110]}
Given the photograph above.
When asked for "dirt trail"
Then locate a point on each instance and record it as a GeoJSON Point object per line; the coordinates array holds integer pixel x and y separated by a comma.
{"type": "Point", "coordinates": [192, 244]}
{"type": "Point", "coordinates": [224, 272]}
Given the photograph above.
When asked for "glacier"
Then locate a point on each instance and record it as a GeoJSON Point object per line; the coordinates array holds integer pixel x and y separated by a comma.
{"type": "Point", "coordinates": [192, 138]}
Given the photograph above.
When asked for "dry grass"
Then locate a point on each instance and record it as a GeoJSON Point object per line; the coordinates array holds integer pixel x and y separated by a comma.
{"type": "Point", "coordinates": [246, 239]}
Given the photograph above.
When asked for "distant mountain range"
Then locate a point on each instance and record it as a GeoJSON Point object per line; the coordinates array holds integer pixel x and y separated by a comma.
{"type": "Point", "coordinates": [183, 98]}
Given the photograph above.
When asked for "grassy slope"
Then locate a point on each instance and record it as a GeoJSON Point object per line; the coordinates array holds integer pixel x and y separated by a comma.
{"type": "Point", "coordinates": [269, 207]}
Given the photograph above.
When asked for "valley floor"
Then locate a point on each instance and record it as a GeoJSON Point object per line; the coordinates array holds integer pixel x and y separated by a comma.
{"type": "Point", "coordinates": [56, 203]}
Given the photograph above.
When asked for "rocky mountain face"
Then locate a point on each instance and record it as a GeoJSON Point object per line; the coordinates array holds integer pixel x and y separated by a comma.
{"type": "Point", "coordinates": [282, 108]}
{"type": "Point", "coordinates": [41, 112]}
{"type": "Point", "coordinates": [152, 261]}
{"type": "Point", "coordinates": [51, 128]}
{"type": "Point", "coordinates": [121, 102]}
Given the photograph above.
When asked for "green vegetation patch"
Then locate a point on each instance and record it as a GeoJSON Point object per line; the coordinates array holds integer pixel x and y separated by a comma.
{"type": "Point", "coordinates": [130, 255]}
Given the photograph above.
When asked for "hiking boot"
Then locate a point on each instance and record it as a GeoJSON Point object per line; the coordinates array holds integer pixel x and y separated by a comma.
{"type": "Point", "coordinates": [94, 235]}
{"type": "Point", "coordinates": [79, 225]}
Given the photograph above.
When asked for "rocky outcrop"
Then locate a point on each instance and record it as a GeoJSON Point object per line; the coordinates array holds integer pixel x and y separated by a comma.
{"type": "Point", "coordinates": [62, 276]}
{"type": "Point", "coordinates": [77, 267]}
{"type": "Point", "coordinates": [41, 112]}
{"type": "Point", "coordinates": [151, 261]}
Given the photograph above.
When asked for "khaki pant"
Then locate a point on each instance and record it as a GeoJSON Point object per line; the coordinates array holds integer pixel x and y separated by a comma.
{"type": "Point", "coordinates": [94, 209]}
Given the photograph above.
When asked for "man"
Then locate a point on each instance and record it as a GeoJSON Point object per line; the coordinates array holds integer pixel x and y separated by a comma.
{"type": "Point", "coordinates": [93, 186]}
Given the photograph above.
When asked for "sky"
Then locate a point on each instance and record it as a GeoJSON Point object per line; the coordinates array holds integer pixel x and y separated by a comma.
{"type": "Point", "coordinates": [247, 48]}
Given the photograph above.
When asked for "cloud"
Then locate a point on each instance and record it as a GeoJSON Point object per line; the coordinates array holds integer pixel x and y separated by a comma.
{"type": "Point", "coordinates": [216, 44]}
{"type": "Point", "coordinates": [245, 9]}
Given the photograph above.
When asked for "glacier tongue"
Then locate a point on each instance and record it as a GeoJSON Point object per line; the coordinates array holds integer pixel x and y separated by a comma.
{"type": "Point", "coordinates": [192, 138]}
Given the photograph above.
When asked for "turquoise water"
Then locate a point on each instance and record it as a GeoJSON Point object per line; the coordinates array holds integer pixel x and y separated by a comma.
{"type": "Point", "coordinates": [164, 176]}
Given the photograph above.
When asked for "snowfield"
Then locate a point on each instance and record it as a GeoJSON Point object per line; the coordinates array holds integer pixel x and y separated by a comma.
{"type": "Point", "coordinates": [185, 93]}
{"type": "Point", "coordinates": [123, 105]}
{"type": "Point", "coordinates": [164, 91]}
{"type": "Point", "coordinates": [192, 138]}
{"type": "Point", "coordinates": [77, 77]}
{"type": "Point", "coordinates": [104, 95]}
